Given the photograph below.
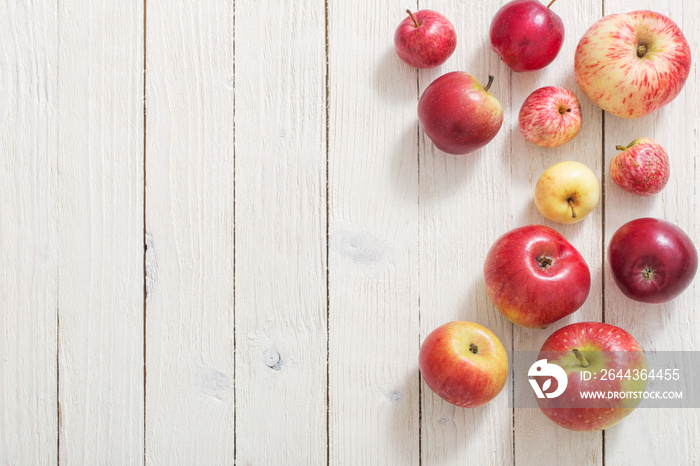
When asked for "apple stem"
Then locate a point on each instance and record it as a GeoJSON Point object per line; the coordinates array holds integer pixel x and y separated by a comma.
{"type": "Point", "coordinates": [620, 147]}
{"type": "Point", "coordinates": [641, 50]}
{"type": "Point", "coordinates": [571, 204]}
{"type": "Point", "coordinates": [544, 261]}
{"type": "Point", "coordinates": [415, 21]}
{"type": "Point", "coordinates": [550, 3]}
{"type": "Point", "coordinates": [580, 357]}
{"type": "Point", "coordinates": [488, 84]}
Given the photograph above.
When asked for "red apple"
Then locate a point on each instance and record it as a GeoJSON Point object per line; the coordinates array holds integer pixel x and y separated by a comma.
{"type": "Point", "coordinates": [550, 117]}
{"type": "Point", "coordinates": [526, 34]}
{"type": "Point", "coordinates": [588, 352]}
{"type": "Point", "coordinates": [652, 260]}
{"type": "Point", "coordinates": [632, 64]}
{"type": "Point", "coordinates": [464, 363]}
{"type": "Point", "coordinates": [535, 277]}
{"type": "Point", "coordinates": [425, 39]}
{"type": "Point", "coordinates": [458, 114]}
{"type": "Point", "coordinates": [641, 168]}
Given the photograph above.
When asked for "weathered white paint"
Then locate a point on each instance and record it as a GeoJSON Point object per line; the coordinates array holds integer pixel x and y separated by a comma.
{"type": "Point", "coordinates": [189, 217]}
{"type": "Point", "coordinates": [28, 246]}
{"type": "Point", "coordinates": [373, 235]}
{"type": "Point", "coordinates": [100, 231]}
{"type": "Point", "coordinates": [280, 233]}
{"type": "Point", "coordinates": [317, 375]}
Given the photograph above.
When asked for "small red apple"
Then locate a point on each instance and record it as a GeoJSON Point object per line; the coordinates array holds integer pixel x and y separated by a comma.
{"type": "Point", "coordinates": [425, 39]}
{"type": "Point", "coordinates": [535, 277]}
{"type": "Point", "coordinates": [652, 260]}
{"type": "Point", "coordinates": [458, 114]}
{"type": "Point", "coordinates": [464, 363]}
{"type": "Point", "coordinates": [588, 351]}
{"type": "Point", "coordinates": [526, 34]}
{"type": "Point", "coordinates": [550, 117]}
{"type": "Point", "coordinates": [632, 64]}
{"type": "Point", "coordinates": [641, 168]}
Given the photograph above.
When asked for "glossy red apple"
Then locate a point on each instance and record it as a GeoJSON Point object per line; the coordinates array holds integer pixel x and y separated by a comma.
{"type": "Point", "coordinates": [641, 168]}
{"type": "Point", "coordinates": [534, 276]}
{"type": "Point", "coordinates": [550, 117]}
{"type": "Point", "coordinates": [588, 351]}
{"type": "Point", "coordinates": [632, 64]}
{"type": "Point", "coordinates": [458, 114]}
{"type": "Point", "coordinates": [652, 260]}
{"type": "Point", "coordinates": [526, 34]}
{"type": "Point", "coordinates": [464, 363]}
{"type": "Point", "coordinates": [425, 39]}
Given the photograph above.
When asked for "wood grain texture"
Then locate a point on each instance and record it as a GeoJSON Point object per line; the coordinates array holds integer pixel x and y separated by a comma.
{"type": "Point", "coordinates": [100, 231]}
{"type": "Point", "coordinates": [354, 236]}
{"type": "Point", "coordinates": [189, 223]}
{"type": "Point", "coordinates": [373, 239]}
{"type": "Point", "coordinates": [280, 233]}
{"type": "Point", "coordinates": [672, 433]}
{"type": "Point", "coordinates": [556, 445]}
{"type": "Point", "coordinates": [28, 274]}
{"type": "Point", "coordinates": [464, 207]}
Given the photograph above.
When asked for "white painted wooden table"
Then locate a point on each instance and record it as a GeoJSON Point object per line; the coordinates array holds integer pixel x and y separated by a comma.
{"type": "Point", "coordinates": [223, 236]}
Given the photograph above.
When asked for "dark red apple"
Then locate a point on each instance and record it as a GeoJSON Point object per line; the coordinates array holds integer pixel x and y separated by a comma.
{"type": "Point", "coordinates": [425, 39]}
{"type": "Point", "coordinates": [458, 114]}
{"type": "Point", "coordinates": [534, 276]}
{"type": "Point", "coordinates": [464, 363]}
{"type": "Point", "coordinates": [526, 34]}
{"type": "Point", "coordinates": [652, 260]}
{"type": "Point", "coordinates": [588, 352]}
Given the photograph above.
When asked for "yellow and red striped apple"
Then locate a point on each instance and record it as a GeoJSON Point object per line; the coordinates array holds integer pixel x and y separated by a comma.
{"type": "Point", "coordinates": [550, 117]}
{"type": "Point", "coordinates": [632, 64]}
{"type": "Point", "coordinates": [641, 168]}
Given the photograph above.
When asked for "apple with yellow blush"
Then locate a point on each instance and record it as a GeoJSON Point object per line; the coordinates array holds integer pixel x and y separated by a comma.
{"type": "Point", "coordinates": [632, 64]}
{"type": "Point", "coordinates": [567, 192]}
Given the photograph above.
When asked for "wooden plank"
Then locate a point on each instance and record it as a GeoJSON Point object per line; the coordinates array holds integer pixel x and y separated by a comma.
{"type": "Point", "coordinates": [373, 239]}
{"type": "Point", "coordinates": [529, 162]}
{"type": "Point", "coordinates": [464, 207]}
{"type": "Point", "coordinates": [189, 223]}
{"type": "Point", "coordinates": [28, 277]}
{"type": "Point", "coordinates": [100, 240]}
{"type": "Point", "coordinates": [280, 233]}
{"type": "Point", "coordinates": [672, 326]}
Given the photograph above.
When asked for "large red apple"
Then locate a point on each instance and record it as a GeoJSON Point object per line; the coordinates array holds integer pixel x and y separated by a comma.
{"type": "Point", "coordinates": [464, 363]}
{"type": "Point", "coordinates": [425, 39]}
{"type": "Point", "coordinates": [534, 276]}
{"type": "Point", "coordinates": [641, 168]}
{"type": "Point", "coordinates": [652, 260]}
{"type": "Point", "coordinates": [458, 114]}
{"type": "Point", "coordinates": [597, 358]}
{"type": "Point", "coordinates": [526, 34]}
{"type": "Point", "coordinates": [632, 64]}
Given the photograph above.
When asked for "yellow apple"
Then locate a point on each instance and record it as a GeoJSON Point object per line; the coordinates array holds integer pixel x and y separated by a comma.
{"type": "Point", "coordinates": [567, 192]}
